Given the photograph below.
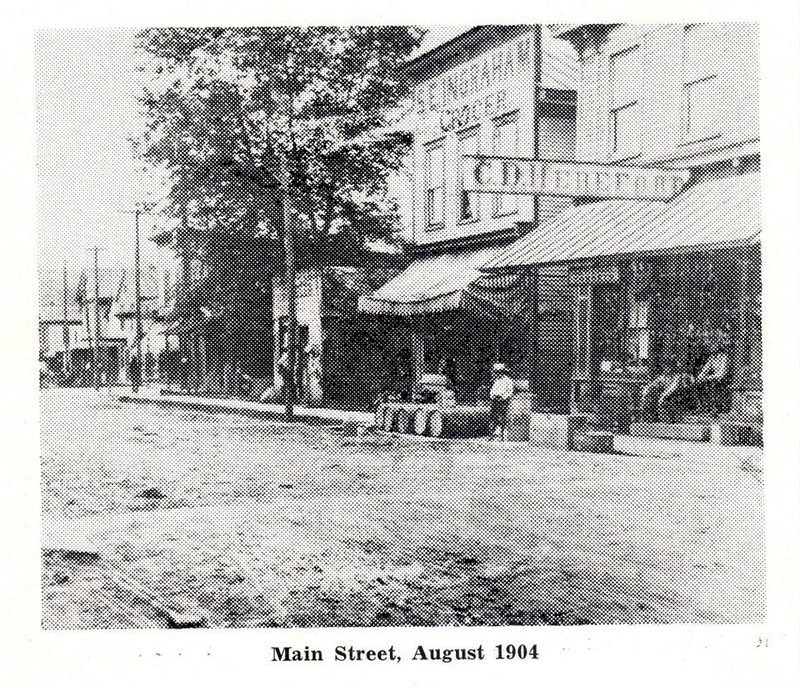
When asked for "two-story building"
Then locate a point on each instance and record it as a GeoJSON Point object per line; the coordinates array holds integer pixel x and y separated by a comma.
{"type": "Point", "coordinates": [491, 90]}
{"type": "Point", "coordinates": [658, 286]}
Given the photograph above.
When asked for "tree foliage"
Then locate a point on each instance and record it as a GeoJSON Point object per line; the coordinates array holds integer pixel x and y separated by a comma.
{"type": "Point", "coordinates": [234, 113]}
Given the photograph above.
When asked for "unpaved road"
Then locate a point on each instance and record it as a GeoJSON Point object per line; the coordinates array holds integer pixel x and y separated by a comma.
{"type": "Point", "coordinates": [264, 524]}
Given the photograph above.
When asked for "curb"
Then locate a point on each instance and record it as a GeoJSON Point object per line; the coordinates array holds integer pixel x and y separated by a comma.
{"type": "Point", "coordinates": [247, 411]}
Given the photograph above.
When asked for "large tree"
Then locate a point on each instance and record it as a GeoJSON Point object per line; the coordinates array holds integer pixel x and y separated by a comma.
{"type": "Point", "coordinates": [273, 130]}
{"type": "Point", "coordinates": [233, 112]}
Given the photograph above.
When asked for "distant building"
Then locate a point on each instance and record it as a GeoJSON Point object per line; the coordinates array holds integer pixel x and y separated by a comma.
{"type": "Point", "coordinates": [60, 339]}
{"type": "Point", "coordinates": [70, 352]}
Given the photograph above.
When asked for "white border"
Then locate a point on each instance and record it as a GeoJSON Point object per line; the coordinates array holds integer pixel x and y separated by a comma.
{"type": "Point", "coordinates": [654, 655]}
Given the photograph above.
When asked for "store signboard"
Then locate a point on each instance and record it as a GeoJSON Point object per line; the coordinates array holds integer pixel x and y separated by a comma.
{"type": "Point", "coordinates": [581, 276]}
{"type": "Point", "coordinates": [480, 88]}
{"type": "Point", "coordinates": [524, 176]}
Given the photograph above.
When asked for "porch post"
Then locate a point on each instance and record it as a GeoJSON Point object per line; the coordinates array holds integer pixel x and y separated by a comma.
{"type": "Point", "coordinates": [533, 334]}
{"type": "Point", "coordinates": [417, 358]}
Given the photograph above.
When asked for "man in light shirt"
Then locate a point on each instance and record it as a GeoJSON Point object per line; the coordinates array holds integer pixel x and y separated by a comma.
{"type": "Point", "coordinates": [499, 399]}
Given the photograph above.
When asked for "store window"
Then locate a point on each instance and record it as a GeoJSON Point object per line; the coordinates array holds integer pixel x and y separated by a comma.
{"type": "Point", "coordinates": [700, 111]}
{"type": "Point", "coordinates": [625, 129]}
{"type": "Point", "coordinates": [434, 184]}
{"type": "Point", "coordinates": [505, 141]}
{"type": "Point", "coordinates": [638, 331]}
{"type": "Point", "coordinates": [468, 202]}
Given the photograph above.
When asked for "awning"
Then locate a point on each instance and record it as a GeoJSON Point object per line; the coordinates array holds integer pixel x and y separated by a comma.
{"type": "Point", "coordinates": [443, 283]}
{"type": "Point", "coordinates": [723, 213]}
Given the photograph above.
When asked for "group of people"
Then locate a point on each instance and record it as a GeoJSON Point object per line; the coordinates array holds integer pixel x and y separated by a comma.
{"type": "Point", "coordinates": [308, 385]}
{"type": "Point", "coordinates": [678, 388]}
{"type": "Point", "coordinates": [664, 398]}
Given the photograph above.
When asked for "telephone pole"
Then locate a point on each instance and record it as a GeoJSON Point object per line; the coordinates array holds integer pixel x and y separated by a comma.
{"type": "Point", "coordinates": [96, 349]}
{"type": "Point", "coordinates": [66, 361]}
{"type": "Point", "coordinates": [138, 289]}
{"type": "Point", "coordinates": [290, 381]}
{"type": "Point", "coordinates": [283, 188]}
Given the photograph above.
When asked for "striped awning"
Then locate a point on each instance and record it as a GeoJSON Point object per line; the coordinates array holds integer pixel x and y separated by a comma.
{"type": "Point", "coordinates": [723, 213]}
{"type": "Point", "coordinates": [443, 283]}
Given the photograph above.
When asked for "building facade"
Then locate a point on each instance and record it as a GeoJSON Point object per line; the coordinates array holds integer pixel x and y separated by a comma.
{"type": "Point", "coordinates": [658, 286]}
{"type": "Point", "coordinates": [502, 91]}
{"type": "Point", "coordinates": [478, 95]}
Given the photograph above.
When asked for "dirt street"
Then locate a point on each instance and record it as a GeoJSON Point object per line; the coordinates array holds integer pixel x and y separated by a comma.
{"type": "Point", "coordinates": [264, 524]}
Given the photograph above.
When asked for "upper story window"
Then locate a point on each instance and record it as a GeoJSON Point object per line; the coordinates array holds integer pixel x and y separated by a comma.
{"type": "Point", "coordinates": [505, 141]}
{"type": "Point", "coordinates": [468, 202]}
{"type": "Point", "coordinates": [434, 184]}
{"type": "Point", "coordinates": [625, 129]}
{"type": "Point", "coordinates": [700, 112]}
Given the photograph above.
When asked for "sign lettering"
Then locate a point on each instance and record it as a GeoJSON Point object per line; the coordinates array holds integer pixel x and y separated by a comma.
{"type": "Point", "coordinates": [492, 174]}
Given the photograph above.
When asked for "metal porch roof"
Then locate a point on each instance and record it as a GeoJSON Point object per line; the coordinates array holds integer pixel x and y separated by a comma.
{"type": "Point", "coordinates": [712, 214]}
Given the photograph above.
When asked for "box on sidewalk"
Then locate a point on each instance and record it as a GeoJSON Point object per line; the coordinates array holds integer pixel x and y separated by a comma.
{"type": "Point", "coordinates": [595, 442]}
{"type": "Point", "coordinates": [556, 431]}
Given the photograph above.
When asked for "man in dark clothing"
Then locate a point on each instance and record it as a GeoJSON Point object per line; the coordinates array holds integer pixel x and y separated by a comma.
{"type": "Point", "coordinates": [135, 372]}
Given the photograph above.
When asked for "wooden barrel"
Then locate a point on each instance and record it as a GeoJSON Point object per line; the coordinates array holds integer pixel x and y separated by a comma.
{"type": "Point", "coordinates": [402, 420]}
{"type": "Point", "coordinates": [380, 411]}
{"type": "Point", "coordinates": [388, 418]}
{"type": "Point", "coordinates": [421, 418]}
{"type": "Point", "coordinates": [461, 421]}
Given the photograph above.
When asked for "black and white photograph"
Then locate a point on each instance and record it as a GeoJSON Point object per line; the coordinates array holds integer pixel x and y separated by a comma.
{"type": "Point", "coordinates": [404, 342]}
{"type": "Point", "coordinates": [408, 325]}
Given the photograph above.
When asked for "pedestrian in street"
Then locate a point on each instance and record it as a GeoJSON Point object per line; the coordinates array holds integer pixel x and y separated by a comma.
{"type": "Point", "coordinates": [135, 372]}
{"type": "Point", "coordinates": [499, 399]}
{"type": "Point", "coordinates": [313, 381]}
{"type": "Point", "coordinates": [282, 366]}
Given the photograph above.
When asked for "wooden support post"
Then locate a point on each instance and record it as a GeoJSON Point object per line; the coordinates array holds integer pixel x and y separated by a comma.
{"type": "Point", "coordinates": [417, 359]}
{"type": "Point", "coordinates": [533, 334]}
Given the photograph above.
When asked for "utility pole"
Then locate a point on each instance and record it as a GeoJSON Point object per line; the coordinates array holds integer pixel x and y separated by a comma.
{"type": "Point", "coordinates": [283, 188]}
{"type": "Point", "coordinates": [533, 331]}
{"type": "Point", "coordinates": [138, 290]}
{"type": "Point", "coordinates": [185, 339]}
{"type": "Point", "coordinates": [66, 361]}
{"type": "Point", "coordinates": [96, 349]}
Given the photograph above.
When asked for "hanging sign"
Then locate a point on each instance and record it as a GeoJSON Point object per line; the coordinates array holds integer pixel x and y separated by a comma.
{"type": "Point", "coordinates": [581, 276]}
{"type": "Point", "coordinates": [524, 176]}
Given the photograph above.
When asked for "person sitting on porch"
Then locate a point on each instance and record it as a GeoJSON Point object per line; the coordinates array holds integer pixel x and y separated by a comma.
{"type": "Point", "coordinates": [664, 396]}
{"type": "Point", "coordinates": [500, 398]}
{"type": "Point", "coordinates": [672, 392]}
{"type": "Point", "coordinates": [711, 383]}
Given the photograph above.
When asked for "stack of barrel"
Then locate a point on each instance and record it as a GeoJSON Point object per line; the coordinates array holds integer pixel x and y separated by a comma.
{"type": "Point", "coordinates": [429, 419]}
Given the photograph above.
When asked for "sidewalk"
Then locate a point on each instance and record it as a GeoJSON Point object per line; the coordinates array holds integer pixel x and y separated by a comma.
{"type": "Point", "coordinates": [625, 445]}
{"type": "Point", "coordinates": [270, 411]}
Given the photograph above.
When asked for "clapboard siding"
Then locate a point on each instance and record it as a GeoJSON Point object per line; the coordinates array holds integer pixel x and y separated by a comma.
{"type": "Point", "coordinates": [733, 54]}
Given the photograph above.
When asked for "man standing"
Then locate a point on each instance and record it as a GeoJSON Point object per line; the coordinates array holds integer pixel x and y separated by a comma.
{"type": "Point", "coordinates": [135, 372]}
{"type": "Point", "coordinates": [499, 398]}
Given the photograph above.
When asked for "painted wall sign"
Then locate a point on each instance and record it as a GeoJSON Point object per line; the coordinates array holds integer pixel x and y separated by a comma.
{"type": "Point", "coordinates": [493, 174]}
{"type": "Point", "coordinates": [487, 72]}
{"type": "Point", "coordinates": [479, 89]}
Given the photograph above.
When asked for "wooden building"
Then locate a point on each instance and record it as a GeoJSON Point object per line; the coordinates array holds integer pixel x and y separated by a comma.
{"type": "Point", "coordinates": [506, 90]}
{"type": "Point", "coordinates": [654, 284]}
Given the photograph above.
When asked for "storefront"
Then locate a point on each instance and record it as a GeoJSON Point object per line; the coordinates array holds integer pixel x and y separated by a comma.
{"type": "Point", "coordinates": [343, 360]}
{"type": "Point", "coordinates": [658, 288]}
{"type": "Point", "coordinates": [491, 90]}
